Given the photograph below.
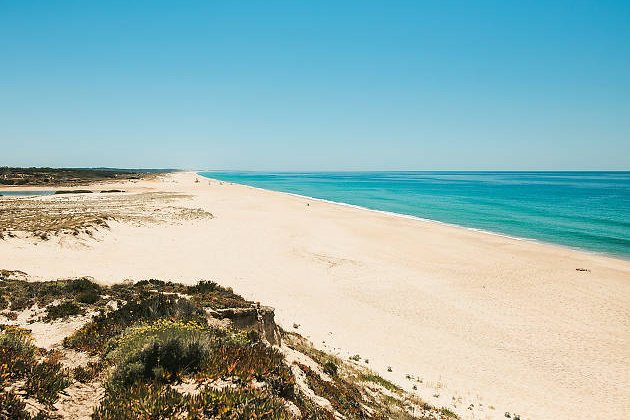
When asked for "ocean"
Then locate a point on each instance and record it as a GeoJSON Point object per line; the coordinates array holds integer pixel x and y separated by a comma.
{"type": "Point", "coordinates": [583, 210]}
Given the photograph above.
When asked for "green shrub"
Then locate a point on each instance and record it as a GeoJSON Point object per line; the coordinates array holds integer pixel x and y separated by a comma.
{"type": "Point", "coordinates": [159, 351]}
{"type": "Point", "coordinates": [330, 368]}
{"type": "Point", "coordinates": [208, 294]}
{"type": "Point", "coordinates": [248, 361]}
{"type": "Point", "coordinates": [447, 412]}
{"type": "Point", "coordinates": [141, 401]}
{"type": "Point", "coordinates": [239, 403]}
{"type": "Point", "coordinates": [18, 361]}
{"type": "Point", "coordinates": [45, 380]}
{"type": "Point", "coordinates": [94, 336]}
{"type": "Point", "coordinates": [12, 406]}
{"type": "Point", "coordinates": [153, 284]}
{"type": "Point", "coordinates": [17, 353]}
{"type": "Point", "coordinates": [379, 380]}
{"type": "Point", "coordinates": [89, 297]}
{"type": "Point", "coordinates": [62, 310]}
{"type": "Point", "coordinates": [20, 293]}
{"type": "Point", "coordinates": [203, 287]}
{"type": "Point", "coordinates": [85, 374]}
{"type": "Point", "coordinates": [82, 285]}
{"type": "Point", "coordinates": [165, 350]}
{"type": "Point", "coordinates": [155, 401]}
{"type": "Point", "coordinates": [23, 295]}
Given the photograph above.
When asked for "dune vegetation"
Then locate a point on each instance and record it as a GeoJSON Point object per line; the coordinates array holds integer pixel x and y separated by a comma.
{"type": "Point", "coordinates": [154, 350]}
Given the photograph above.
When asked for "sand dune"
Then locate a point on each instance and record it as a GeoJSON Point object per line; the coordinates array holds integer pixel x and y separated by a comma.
{"type": "Point", "coordinates": [481, 319]}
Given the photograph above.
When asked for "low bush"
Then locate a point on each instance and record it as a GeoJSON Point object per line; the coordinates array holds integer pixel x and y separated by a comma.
{"type": "Point", "coordinates": [12, 406]}
{"type": "Point", "coordinates": [204, 287]}
{"type": "Point", "coordinates": [62, 311]}
{"type": "Point", "coordinates": [82, 285]}
{"type": "Point", "coordinates": [85, 374]}
{"type": "Point", "coordinates": [379, 380]}
{"type": "Point", "coordinates": [88, 297]}
{"type": "Point", "coordinates": [23, 295]}
{"type": "Point", "coordinates": [158, 401]}
{"type": "Point", "coordinates": [18, 294]}
{"type": "Point", "coordinates": [141, 401]}
{"type": "Point", "coordinates": [447, 412]}
{"type": "Point", "coordinates": [238, 403]}
{"type": "Point", "coordinates": [208, 294]}
{"type": "Point", "coordinates": [45, 381]}
{"type": "Point", "coordinates": [17, 353]}
{"type": "Point", "coordinates": [330, 368]}
{"type": "Point", "coordinates": [19, 361]}
{"type": "Point", "coordinates": [160, 351]}
{"type": "Point", "coordinates": [94, 336]}
{"type": "Point", "coordinates": [248, 361]}
{"type": "Point", "coordinates": [165, 350]}
{"type": "Point", "coordinates": [156, 286]}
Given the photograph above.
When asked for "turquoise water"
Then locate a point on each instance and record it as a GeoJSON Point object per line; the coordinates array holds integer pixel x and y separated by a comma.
{"type": "Point", "coordinates": [585, 210]}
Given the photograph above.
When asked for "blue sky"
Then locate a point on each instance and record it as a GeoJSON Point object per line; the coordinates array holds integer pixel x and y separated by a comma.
{"type": "Point", "coordinates": [316, 85]}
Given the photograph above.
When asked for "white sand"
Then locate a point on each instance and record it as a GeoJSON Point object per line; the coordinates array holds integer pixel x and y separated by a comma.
{"type": "Point", "coordinates": [480, 317]}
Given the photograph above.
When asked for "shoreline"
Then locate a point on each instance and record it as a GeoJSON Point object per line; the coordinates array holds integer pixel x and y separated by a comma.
{"type": "Point", "coordinates": [438, 222]}
{"type": "Point", "coordinates": [478, 318]}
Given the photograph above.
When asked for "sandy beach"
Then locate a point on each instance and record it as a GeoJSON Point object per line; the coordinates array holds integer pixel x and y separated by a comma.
{"type": "Point", "coordinates": [465, 316]}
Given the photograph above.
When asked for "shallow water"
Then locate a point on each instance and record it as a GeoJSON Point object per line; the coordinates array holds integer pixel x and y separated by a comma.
{"type": "Point", "coordinates": [24, 193]}
{"type": "Point", "coordinates": [585, 210]}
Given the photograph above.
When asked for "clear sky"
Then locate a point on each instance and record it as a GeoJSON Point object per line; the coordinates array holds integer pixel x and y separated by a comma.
{"type": "Point", "coordinates": [316, 85]}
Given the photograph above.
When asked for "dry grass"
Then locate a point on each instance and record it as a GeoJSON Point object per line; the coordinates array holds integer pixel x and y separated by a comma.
{"type": "Point", "coordinates": [53, 215]}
